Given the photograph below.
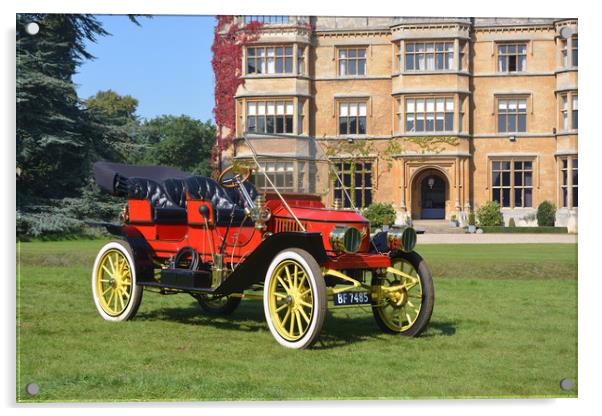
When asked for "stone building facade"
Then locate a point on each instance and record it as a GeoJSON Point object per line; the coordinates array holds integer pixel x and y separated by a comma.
{"type": "Point", "coordinates": [434, 115]}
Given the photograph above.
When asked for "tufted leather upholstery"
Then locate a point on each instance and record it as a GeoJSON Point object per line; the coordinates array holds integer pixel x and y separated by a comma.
{"type": "Point", "coordinates": [168, 198]}
{"type": "Point", "coordinates": [176, 191]}
{"type": "Point", "coordinates": [143, 188]}
{"type": "Point", "coordinates": [201, 187]}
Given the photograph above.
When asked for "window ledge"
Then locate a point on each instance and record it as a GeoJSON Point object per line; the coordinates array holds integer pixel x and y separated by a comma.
{"type": "Point", "coordinates": [567, 69]}
{"type": "Point", "coordinates": [567, 132]}
{"type": "Point", "coordinates": [433, 72]}
{"type": "Point", "coordinates": [430, 133]}
{"type": "Point", "coordinates": [352, 76]}
{"type": "Point", "coordinates": [261, 76]}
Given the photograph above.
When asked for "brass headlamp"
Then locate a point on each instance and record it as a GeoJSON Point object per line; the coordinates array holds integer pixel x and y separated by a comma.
{"type": "Point", "coordinates": [401, 238]}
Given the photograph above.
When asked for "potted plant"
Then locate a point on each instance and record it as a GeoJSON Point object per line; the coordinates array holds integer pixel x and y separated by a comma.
{"type": "Point", "coordinates": [472, 226]}
{"type": "Point", "coordinates": [453, 221]}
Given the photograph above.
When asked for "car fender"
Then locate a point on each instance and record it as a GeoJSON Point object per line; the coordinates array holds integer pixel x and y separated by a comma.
{"type": "Point", "coordinates": [143, 252]}
{"type": "Point", "coordinates": [253, 269]}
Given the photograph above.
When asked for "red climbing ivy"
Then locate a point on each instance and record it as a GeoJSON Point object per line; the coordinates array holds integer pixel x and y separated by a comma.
{"type": "Point", "coordinates": [228, 43]}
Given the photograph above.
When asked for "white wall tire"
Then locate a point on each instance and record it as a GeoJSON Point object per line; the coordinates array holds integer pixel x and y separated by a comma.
{"type": "Point", "coordinates": [114, 273]}
{"type": "Point", "coordinates": [292, 322]}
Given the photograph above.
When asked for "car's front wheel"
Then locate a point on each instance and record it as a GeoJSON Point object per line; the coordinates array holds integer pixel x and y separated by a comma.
{"type": "Point", "coordinates": [116, 294]}
{"type": "Point", "coordinates": [294, 299]}
{"type": "Point", "coordinates": [406, 296]}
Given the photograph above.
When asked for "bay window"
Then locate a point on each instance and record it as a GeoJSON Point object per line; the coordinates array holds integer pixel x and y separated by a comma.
{"type": "Point", "coordinates": [270, 116]}
{"type": "Point", "coordinates": [569, 111]}
{"type": "Point", "coordinates": [429, 114]}
{"type": "Point", "coordinates": [429, 56]}
{"type": "Point", "coordinates": [569, 52]}
{"type": "Point", "coordinates": [270, 60]}
{"type": "Point", "coordinates": [569, 185]}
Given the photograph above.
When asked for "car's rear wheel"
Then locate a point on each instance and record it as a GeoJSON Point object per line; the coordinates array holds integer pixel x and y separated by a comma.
{"type": "Point", "coordinates": [116, 293]}
{"type": "Point", "coordinates": [216, 305]}
{"type": "Point", "coordinates": [406, 298]}
{"type": "Point", "coordinates": [294, 299]}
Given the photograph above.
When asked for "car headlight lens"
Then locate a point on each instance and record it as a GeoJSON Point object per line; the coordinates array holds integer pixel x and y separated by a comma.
{"type": "Point", "coordinates": [344, 238]}
{"type": "Point", "coordinates": [402, 238]}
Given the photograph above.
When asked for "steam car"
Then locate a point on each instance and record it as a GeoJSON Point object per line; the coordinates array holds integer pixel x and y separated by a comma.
{"type": "Point", "coordinates": [222, 241]}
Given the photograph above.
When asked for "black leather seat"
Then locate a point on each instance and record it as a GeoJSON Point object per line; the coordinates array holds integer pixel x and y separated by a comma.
{"type": "Point", "coordinates": [168, 199]}
{"type": "Point", "coordinates": [225, 209]}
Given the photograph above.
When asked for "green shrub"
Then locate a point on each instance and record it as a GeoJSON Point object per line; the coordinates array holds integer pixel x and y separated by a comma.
{"type": "Point", "coordinates": [511, 223]}
{"type": "Point", "coordinates": [546, 214]}
{"type": "Point", "coordinates": [471, 219]}
{"type": "Point", "coordinates": [379, 214]}
{"type": "Point", "coordinates": [525, 230]}
{"type": "Point", "coordinates": [489, 214]}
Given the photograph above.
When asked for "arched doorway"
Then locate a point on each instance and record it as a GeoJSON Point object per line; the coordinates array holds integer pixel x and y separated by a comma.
{"type": "Point", "coordinates": [432, 197]}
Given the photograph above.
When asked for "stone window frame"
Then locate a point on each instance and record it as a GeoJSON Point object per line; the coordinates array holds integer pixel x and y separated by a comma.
{"type": "Point", "coordinates": [571, 111]}
{"type": "Point", "coordinates": [511, 186]}
{"type": "Point", "coordinates": [508, 55]}
{"type": "Point", "coordinates": [347, 59]}
{"type": "Point", "coordinates": [283, 179]}
{"type": "Point", "coordinates": [283, 57]}
{"type": "Point", "coordinates": [569, 52]}
{"type": "Point", "coordinates": [566, 164]}
{"type": "Point", "coordinates": [445, 53]}
{"type": "Point", "coordinates": [265, 101]}
{"type": "Point", "coordinates": [358, 102]}
{"type": "Point", "coordinates": [352, 172]}
{"type": "Point", "coordinates": [517, 98]}
{"type": "Point", "coordinates": [298, 68]}
{"type": "Point", "coordinates": [446, 98]}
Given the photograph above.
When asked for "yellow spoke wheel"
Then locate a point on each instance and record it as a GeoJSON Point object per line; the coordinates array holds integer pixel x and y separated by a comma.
{"type": "Point", "coordinates": [295, 299]}
{"type": "Point", "coordinates": [406, 300]}
{"type": "Point", "coordinates": [113, 282]}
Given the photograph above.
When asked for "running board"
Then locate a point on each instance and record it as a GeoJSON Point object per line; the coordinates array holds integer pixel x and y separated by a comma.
{"type": "Point", "coordinates": [183, 279]}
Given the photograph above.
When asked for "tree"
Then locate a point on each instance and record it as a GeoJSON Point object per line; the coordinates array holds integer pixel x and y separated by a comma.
{"type": "Point", "coordinates": [113, 118]}
{"type": "Point", "coordinates": [120, 108]}
{"type": "Point", "coordinates": [50, 139]}
{"type": "Point", "coordinates": [179, 141]}
{"type": "Point", "coordinates": [58, 137]}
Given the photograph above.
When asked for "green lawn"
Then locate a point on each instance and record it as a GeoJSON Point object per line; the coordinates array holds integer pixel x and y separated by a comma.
{"type": "Point", "coordinates": [504, 325]}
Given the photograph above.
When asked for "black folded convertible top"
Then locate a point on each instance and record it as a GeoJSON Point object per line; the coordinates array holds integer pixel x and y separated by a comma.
{"type": "Point", "coordinates": [107, 173]}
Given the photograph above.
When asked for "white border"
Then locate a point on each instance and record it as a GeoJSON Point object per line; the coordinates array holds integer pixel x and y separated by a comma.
{"type": "Point", "coordinates": [589, 238]}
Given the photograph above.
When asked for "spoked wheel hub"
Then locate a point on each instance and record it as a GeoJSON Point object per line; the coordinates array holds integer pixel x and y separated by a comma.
{"type": "Point", "coordinates": [116, 294]}
{"type": "Point", "coordinates": [405, 296]}
{"type": "Point", "coordinates": [294, 298]}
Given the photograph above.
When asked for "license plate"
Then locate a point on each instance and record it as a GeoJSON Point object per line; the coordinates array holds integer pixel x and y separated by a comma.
{"type": "Point", "coordinates": [351, 298]}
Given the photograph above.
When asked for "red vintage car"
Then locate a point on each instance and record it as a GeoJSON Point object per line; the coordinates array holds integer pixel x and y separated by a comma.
{"type": "Point", "coordinates": [222, 241]}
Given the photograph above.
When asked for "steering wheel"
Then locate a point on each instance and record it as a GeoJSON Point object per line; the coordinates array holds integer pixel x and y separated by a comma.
{"type": "Point", "coordinates": [230, 182]}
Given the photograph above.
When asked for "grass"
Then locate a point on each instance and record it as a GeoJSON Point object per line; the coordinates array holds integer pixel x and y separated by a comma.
{"type": "Point", "coordinates": [525, 230]}
{"type": "Point", "coordinates": [504, 325]}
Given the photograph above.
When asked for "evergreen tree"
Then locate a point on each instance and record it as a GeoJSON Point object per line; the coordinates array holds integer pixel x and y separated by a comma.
{"type": "Point", "coordinates": [52, 146]}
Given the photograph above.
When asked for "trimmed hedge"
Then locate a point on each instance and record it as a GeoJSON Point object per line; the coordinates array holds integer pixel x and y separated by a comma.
{"type": "Point", "coordinates": [525, 230]}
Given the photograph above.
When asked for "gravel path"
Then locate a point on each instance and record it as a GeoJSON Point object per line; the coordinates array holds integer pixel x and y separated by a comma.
{"type": "Point", "coordinates": [495, 238]}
